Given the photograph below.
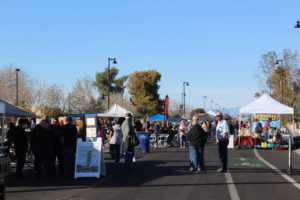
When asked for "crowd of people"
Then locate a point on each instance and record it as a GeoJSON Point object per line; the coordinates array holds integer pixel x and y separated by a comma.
{"type": "Point", "coordinates": [53, 142]}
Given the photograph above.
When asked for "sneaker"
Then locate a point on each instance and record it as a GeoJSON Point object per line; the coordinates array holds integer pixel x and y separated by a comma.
{"type": "Point", "coordinates": [221, 170]}
{"type": "Point", "coordinates": [201, 171]}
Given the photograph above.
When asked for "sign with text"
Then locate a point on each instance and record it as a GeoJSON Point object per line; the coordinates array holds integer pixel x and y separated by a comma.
{"type": "Point", "coordinates": [89, 158]}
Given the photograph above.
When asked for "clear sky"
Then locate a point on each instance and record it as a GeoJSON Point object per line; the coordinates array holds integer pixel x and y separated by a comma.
{"type": "Point", "coordinates": [214, 45]}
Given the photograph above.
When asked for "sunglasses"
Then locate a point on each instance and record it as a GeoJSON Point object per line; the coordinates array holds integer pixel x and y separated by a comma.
{"type": "Point", "coordinates": [218, 115]}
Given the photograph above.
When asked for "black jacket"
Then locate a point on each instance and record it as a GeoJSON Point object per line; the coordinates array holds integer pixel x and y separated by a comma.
{"type": "Point", "coordinates": [69, 135]}
{"type": "Point", "coordinates": [42, 136]}
{"type": "Point", "coordinates": [197, 136]}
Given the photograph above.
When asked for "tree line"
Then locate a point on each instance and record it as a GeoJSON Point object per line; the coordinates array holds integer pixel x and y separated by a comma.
{"type": "Point", "coordinates": [279, 75]}
{"type": "Point", "coordinates": [88, 95]}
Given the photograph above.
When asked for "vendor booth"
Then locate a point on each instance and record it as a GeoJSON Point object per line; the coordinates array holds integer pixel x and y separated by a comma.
{"type": "Point", "coordinates": [6, 111]}
{"type": "Point", "coordinates": [115, 111]}
{"type": "Point", "coordinates": [267, 105]}
{"type": "Point", "coordinates": [160, 117]}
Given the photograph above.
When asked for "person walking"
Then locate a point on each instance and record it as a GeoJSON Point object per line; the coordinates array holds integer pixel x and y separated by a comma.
{"type": "Point", "coordinates": [57, 151]}
{"type": "Point", "coordinates": [42, 144]}
{"type": "Point", "coordinates": [266, 130]}
{"type": "Point", "coordinates": [127, 130]}
{"type": "Point", "coordinates": [20, 147]}
{"type": "Point", "coordinates": [222, 139]}
{"type": "Point", "coordinates": [115, 141]}
{"type": "Point", "coordinates": [183, 129]}
{"type": "Point", "coordinates": [197, 137]}
{"type": "Point", "coordinates": [68, 141]}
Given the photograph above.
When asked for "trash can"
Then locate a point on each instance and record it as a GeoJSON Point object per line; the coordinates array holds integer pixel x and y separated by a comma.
{"type": "Point", "coordinates": [144, 138]}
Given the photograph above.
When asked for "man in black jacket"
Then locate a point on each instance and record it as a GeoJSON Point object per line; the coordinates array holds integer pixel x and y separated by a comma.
{"type": "Point", "coordinates": [20, 146]}
{"type": "Point", "coordinates": [68, 140]}
{"type": "Point", "coordinates": [197, 138]}
{"type": "Point", "coordinates": [42, 143]}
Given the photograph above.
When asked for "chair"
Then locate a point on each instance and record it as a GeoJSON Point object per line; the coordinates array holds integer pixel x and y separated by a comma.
{"type": "Point", "coordinates": [153, 141]}
{"type": "Point", "coordinates": [162, 140]}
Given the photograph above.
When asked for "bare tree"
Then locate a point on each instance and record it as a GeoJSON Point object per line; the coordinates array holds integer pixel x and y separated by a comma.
{"type": "Point", "coordinates": [83, 98]}
{"type": "Point", "coordinates": [8, 86]}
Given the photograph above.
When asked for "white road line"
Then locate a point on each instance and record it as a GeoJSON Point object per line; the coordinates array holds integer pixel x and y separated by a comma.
{"type": "Point", "coordinates": [231, 187]}
{"type": "Point", "coordinates": [285, 176]}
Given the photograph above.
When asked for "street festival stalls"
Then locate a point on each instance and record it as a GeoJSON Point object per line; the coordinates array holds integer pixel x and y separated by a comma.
{"type": "Point", "coordinates": [6, 111]}
{"type": "Point", "coordinates": [89, 154]}
{"type": "Point", "coordinates": [160, 117]}
{"type": "Point", "coordinates": [116, 111]}
{"type": "Point", "coordinates": [267, 105]}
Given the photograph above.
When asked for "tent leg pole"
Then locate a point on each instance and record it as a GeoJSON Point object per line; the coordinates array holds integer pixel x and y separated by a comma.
{"type": "Point", "coordinates": [2, 132]}
{"type": "Point", "coordinates": [290, 170]}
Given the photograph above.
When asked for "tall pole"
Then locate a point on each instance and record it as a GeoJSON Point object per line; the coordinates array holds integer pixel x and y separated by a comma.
{"type": "Point", "coordinates": [183, 99]}
{"type": "Point", "coordinates": [183, 96]}
{"type": "Point", "coordinates": [108, 80]}
{"type": "Point", "coordinates": [281, 76]}
{"type": "Point", "coordinates": [108, 88]}
{"type": "Point", "coordinates": [17, 86]}
{"type": "Point", "coordinates": [204, 97]}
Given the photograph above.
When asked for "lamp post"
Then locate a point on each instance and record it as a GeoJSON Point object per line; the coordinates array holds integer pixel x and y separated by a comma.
{"type": "Point", "coordinates": [183, 96]}
{"type": "Point", "coordinates": [17, 86]}
{"type": "Point", "coordinates": [114, 61]}
{"type": "Point", "coordinates": [281, 76]}
{"type": "Point", "coordinates": [204, 97]}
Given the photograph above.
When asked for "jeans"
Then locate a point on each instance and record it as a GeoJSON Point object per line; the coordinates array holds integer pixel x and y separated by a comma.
{"type": "Point", "coordinates": [69, 161]}
{"type": "Point", "coordinates": [223, 153]}
{"type": "Point", "coordinates": [182, 141]}
{"type": "Point", "coordinates": [21, 156]}
{"type": "Point", "coordinates": [129, 158]}
{"type": "Point", "coordinates": [115, 151]}
{"type": "Point", "coordinates": [197, 157]}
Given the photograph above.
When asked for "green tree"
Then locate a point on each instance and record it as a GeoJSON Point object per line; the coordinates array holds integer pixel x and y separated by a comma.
{"type": "Point", "coordinates": [197, 110]}
{"type": "Point", "coordinates": [115, 85]}
{"type": "Point", "coordinates": [143, 87]}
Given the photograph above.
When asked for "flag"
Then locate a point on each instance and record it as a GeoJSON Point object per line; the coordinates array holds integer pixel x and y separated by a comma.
{"type": "Point", "coordinates": [131, 102]}
{"type": "Point", "coordinates": [166, 110]}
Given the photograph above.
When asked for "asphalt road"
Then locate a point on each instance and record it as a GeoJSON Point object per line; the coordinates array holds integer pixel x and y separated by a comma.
{"type": "Point", "coordinates": [163, 174]}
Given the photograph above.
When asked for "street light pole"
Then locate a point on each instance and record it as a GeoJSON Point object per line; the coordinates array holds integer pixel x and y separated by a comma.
{"type": "Point", "coordinates": [108, 88]}
{"type": "Point", "coordinates": [204, 97]}
{"type": "Point", "coordinates": [281, 76]}
{"type": "Point", "coordinates": [183, 96]}
{"type": "Point", "coordinates": [17, 86]}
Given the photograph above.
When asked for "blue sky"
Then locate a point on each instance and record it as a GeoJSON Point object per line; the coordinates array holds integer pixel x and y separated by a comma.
{"type": "Point", "coordinates": [214, 45]}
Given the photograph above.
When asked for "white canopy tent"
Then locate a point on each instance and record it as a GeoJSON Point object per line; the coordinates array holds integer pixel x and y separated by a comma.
{"type": "Point", "coordinates": [212, 113]}
{"type": "Point", "coordinates": [115, 111]}
{"type": "Point", "coordinates": [267, 105]}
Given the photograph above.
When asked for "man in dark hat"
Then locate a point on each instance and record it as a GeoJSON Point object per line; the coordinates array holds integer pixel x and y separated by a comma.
{"type": "Point", "coordinates": [127, 129]}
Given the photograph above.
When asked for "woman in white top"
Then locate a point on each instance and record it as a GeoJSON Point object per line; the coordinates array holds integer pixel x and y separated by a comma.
{"type": "Point", "coordinates": [115, 141]}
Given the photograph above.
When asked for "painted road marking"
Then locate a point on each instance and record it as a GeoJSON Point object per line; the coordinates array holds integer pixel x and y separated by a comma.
{"type": "Point", "coordinates": [285, 176]}
{"type": "Point", "coordinates": [246, 162]}
{"type": "Point", "coordinates": [231, 187]}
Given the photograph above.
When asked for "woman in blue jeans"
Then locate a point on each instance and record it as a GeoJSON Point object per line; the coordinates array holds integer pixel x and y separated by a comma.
{"type": "Point", "coordinates": [197, 138]}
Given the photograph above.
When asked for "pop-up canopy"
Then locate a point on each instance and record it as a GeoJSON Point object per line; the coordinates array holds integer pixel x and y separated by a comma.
{"type": "Point", "coordinates": [115, 111]}
{"type": "Point", "coordinates": [266, 105]}
{"type": "Point", "coordinates": [9, 110]}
